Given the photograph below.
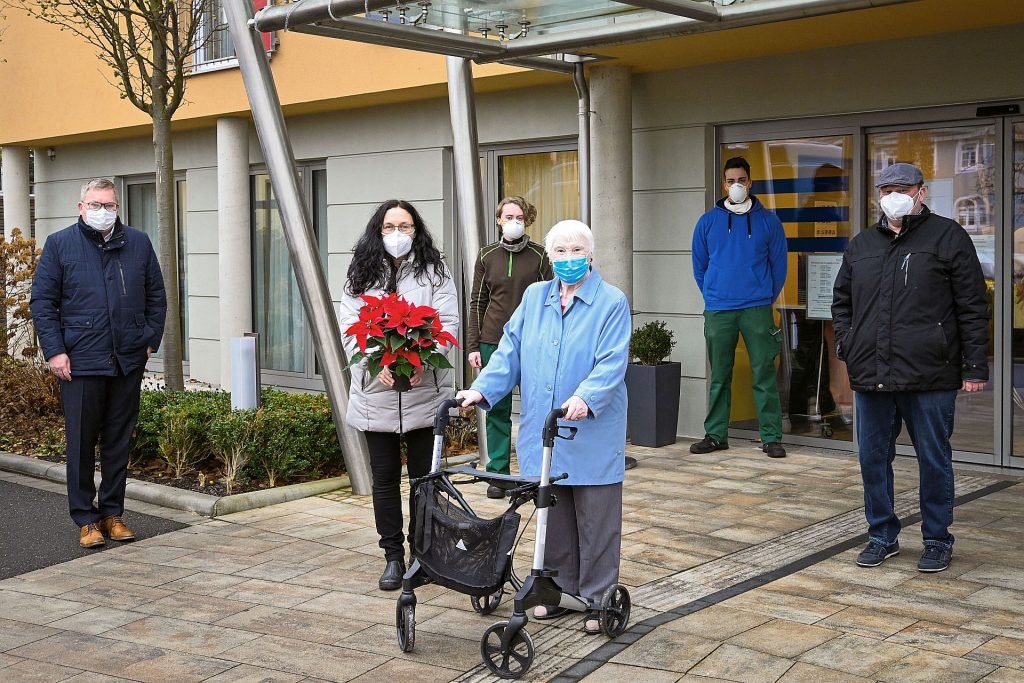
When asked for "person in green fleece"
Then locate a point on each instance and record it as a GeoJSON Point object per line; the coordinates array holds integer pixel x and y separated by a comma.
{"type": "Point", "coordinates": [503, 271]}
{"type": "Point", "coordinates": [739, 262]}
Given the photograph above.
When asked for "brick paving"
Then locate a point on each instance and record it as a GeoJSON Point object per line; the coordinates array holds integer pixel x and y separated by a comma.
{"type": "Point", "coordinates": [288, 593]}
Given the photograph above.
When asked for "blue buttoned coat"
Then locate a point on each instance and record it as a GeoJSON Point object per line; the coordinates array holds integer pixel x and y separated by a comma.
{"type": "Point", "coordinates": [552, 356]}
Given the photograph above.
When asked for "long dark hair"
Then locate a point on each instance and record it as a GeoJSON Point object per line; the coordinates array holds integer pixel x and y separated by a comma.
{"type": "Point", "coordinates": [372, 264]}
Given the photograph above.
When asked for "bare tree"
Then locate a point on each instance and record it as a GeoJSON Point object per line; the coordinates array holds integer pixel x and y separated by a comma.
{"type": "Point", "coordinates": [149, 46]}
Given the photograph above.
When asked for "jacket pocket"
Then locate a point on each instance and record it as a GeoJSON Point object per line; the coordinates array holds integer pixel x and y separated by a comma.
{"type": "Point", "coordinates": [74, 328]}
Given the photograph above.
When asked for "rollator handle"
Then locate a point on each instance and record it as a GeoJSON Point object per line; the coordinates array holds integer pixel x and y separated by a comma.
{"type": "Point", "coordinates": [442, 418]}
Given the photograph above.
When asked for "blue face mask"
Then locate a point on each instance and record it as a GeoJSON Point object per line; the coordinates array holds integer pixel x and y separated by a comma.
{"type": "Point", "coordinates": [571, 270]}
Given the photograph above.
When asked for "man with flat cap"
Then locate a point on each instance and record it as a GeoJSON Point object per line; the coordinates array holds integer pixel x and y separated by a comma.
{"type": "Point", "coordinates": [911, 322]}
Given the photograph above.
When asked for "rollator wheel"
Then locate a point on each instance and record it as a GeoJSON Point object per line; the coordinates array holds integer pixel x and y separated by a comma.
{"type": "Point", "coordinates": [614, 615]}
{"type": "Point", "coordinates": [487, 603]}
{"type": "Point", "coordinates": [826, 431]}
{"type": "Point", "coordinates": [511, 663]}
{"type": "Point", "coordinates": [405, 621]}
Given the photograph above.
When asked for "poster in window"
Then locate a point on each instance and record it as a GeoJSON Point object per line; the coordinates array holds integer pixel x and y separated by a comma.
{"type": "Point", "coordinates": [822, 270]}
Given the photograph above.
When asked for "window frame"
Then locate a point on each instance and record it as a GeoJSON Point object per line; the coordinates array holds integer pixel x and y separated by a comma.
{"type": "Point", "coordinates": [123, 183]}
{"type": "Point", "coordinates": [308, 379]}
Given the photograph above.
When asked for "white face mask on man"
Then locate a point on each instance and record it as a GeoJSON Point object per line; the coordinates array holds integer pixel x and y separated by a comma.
{"type": "Point", "coordinates": [100, 219]}
{"type": "Point", "coordinates": [738, 193]}
{"type": "Point", "coordinates": [896, 205]}
{"type": "Point", "coordinates": [397, 243]}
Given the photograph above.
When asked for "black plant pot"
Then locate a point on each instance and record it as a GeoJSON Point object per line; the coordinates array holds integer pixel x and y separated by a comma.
{"type": "Point", "coordinates": [402, 383]}
{"type": "Point", "coordinates": [653, 403]}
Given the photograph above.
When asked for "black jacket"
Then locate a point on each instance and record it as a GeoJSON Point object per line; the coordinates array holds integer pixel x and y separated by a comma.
{"type": "Point", "coordinates": [911, 310]}
{"type": "Point", "coordinates": [102, 303]}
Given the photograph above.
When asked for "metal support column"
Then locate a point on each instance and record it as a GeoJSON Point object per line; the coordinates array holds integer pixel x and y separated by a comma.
{"type": "Point", "coordinates": [316, 296]}
{"type": "Point", "coordinates": [579, 79]}
{"type": "Point", "coordinates": [466, 150]}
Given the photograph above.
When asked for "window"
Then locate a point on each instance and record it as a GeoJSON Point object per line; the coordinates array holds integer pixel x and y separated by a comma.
{"type": "Point", "coordinates": [806, 182]}
{"type": "Point", "coordinates": [547, 177]}
{"type": "Point", "coordinates": [883, 159]}
{"type": "Point", "coordinates": [213, 40]}
{"type": "Point", "coordinates": [140, 213]}
{"type": "Point", "coordinates": [971, 213]}
{"type": "Point", "coordinates": [285, 342]}
{"type": "Point", "coordinates": [968, 156]}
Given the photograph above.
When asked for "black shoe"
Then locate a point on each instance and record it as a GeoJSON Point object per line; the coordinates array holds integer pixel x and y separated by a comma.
{"type": "Point", "coordinates": [708, 444]}
{"type": "Point", "coordinates": [876, 553]}
{"type": "Point", "coordinates": [391, 579]}
{"type": "Point", "coordinates": [495, 492]}
{"type": "Point", "coordinates": [774, 450]}
{"type": "Point", "coordinates": [935, 559]}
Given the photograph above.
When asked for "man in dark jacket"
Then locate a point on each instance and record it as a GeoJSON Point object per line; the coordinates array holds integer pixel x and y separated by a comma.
{"type": "Point", "coordinates": [98, 306]}
{"type": "Point", "coordinates": [739, 262]}
{"type": "Point", "coordinates": [911, 322]}
{"type": "Point", "coordinates": [504, 270]}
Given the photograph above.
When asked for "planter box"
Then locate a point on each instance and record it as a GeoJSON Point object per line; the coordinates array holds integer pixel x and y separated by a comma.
{"type": "Point", "coordinates": [653, 403]}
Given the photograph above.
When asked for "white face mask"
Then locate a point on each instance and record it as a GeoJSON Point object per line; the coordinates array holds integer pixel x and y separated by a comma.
{"type": "Point", "coordinates": [397, 243]}
{"type": "Point", "coordinates": [100, 219]}
{"type": "Point", "coordinates": [896, 205]}
{"type": "Point", "coordinates": [513, 230]}
{"type": "Point", "coordinates": [738, 193]}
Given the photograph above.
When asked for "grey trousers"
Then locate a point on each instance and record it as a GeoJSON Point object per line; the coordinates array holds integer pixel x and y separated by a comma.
{"type": "Point", "coordinates": [584, 538]}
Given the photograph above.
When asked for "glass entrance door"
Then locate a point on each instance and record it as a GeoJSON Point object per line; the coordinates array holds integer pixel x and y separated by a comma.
{"type": "Point", "coordinates": [960, 167]}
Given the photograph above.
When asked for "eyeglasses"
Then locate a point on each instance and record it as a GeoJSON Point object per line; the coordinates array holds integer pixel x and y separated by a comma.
{"type": "Point", "coordinates": [407, 228]}
{"type": "Point", "coordinates": [96, 206]}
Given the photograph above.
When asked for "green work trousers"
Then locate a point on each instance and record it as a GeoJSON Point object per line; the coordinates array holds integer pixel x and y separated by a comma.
{"type": "Point", "coordinates": [763, 341]}
{"type": "Point", "coordinates": [499, 425]}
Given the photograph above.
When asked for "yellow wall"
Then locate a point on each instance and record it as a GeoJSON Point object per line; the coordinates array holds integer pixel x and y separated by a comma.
{"type": "Point", "coordinates": [57, 92]}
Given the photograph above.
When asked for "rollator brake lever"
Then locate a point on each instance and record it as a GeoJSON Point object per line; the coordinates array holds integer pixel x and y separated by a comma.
{"type": "Point", "coordinates": [572, 432]}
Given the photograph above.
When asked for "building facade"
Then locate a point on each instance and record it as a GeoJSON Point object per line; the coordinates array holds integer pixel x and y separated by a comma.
{"type": "Point", "coordinates": [819, 106]}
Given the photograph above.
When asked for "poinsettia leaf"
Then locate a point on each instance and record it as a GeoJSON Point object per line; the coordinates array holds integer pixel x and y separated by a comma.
{"type": "Point", "coordinates": [440, 361]}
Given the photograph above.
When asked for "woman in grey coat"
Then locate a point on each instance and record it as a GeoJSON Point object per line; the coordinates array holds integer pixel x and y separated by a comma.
{"type": "Point", "coordinates": [396, 254]}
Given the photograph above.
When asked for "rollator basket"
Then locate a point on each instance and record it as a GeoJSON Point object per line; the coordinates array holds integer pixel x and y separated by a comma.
{"type": "Point", "coordinates": [457, 548]}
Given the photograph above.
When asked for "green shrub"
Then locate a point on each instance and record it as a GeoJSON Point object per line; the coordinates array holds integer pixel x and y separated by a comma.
{"type": "Point", "coordinates": [291, 436]}
{"type": "Point", "coordinates": [232, 440]}
{"type": "Point", "coordinates": [651, 343]}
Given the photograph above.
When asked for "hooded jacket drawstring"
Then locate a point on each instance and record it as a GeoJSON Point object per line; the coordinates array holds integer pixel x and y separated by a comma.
{"type": "Point", "coordinates": [750, 230]}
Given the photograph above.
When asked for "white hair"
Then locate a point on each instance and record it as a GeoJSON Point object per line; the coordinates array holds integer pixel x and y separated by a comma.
{"type": "Point", "coordinates": [569, 231]}
{"type": "Point", "coordinates": [98, 184]}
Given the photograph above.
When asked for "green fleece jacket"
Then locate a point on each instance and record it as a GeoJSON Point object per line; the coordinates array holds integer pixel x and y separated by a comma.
{"type": "Point", "coordinates": [500, 278]}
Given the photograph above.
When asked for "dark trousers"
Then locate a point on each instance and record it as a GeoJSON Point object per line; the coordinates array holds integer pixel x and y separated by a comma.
{"type": "Point", "coordinates": [929, 419]}
{"type": "Point", "coordinates": [386, 466]}
{"type": "Point", "coordinates": [585, 538]}
{"type": "Point", "coordinates": [99, 410]}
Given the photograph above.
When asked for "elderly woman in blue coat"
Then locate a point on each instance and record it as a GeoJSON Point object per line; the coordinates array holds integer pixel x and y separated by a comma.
{"type": "Point", "coordinates": [567, 346]}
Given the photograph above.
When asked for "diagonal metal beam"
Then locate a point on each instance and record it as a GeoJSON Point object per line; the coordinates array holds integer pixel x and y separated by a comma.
{"type": "Point", "coordinates": [701, 11]}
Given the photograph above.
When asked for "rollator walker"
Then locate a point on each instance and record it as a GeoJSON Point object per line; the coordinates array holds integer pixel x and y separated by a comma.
{"type": "Point", "coordinates": [455, 548]}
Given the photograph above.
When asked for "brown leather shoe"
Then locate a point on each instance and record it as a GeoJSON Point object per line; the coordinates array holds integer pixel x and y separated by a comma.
{"type": "Point", "coordinates": [115, 529]}
{"type": "Point", "coordinates": [91, 537]}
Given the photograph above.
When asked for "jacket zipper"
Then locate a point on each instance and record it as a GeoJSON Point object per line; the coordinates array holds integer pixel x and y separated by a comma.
{"type": "Point", "coordinates": [124, 289]}
{"type": "Point", "coordinates": [510, 264]}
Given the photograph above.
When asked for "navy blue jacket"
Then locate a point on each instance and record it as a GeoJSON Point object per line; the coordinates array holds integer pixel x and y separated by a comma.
{"type": "Point", "coordinates": [102, 303]}
{"type": "Point", "coordinates": [739, 261]}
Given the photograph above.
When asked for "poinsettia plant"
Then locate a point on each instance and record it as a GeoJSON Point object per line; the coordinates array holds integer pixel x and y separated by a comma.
{"type": "Point", "coordinates": [392, 332]}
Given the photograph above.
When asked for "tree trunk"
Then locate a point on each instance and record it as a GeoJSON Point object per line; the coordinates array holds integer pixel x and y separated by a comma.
{"type": "Point", "coordinates": [165, 220]}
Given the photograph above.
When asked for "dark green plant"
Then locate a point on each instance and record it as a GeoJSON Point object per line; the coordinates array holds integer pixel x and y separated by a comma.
{"type": "Point", "coordinates": [651, 343]}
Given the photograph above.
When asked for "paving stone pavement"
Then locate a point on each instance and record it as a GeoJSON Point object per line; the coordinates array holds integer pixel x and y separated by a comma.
{"type": "Point", "coordinates": [738, 566]}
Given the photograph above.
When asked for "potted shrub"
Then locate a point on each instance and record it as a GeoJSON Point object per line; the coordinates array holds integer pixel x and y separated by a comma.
{"type": "Point", "coordinates": [652, 384]}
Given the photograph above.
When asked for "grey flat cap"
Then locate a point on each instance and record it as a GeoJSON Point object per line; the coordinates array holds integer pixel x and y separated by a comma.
{"type": "Point", "coordinates": [900, 174]}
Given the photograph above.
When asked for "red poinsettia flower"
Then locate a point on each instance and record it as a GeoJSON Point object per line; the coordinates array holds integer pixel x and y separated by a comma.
{"type": "Point", "coordinates": [392, 332]}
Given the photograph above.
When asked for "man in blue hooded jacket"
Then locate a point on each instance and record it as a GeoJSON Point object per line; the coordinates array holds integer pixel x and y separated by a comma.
{"type": "Point", "coordinates": [98, 306]}
{"type": "Point", "coordinates": [739, 262]}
